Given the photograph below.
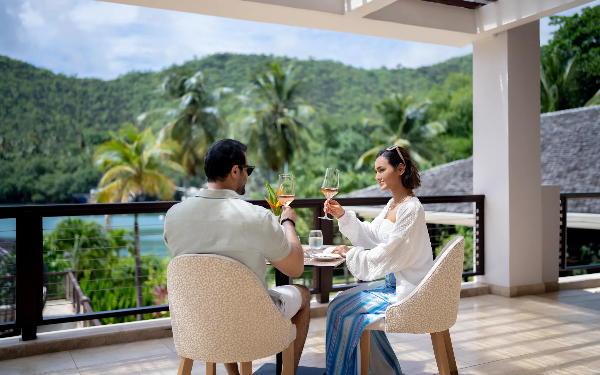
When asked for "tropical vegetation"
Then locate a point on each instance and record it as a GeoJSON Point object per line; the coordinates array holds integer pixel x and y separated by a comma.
{"type": "Point", "coordinates": [577, 36]}
{"type": "Point", "coordinates": [557, 80]}
{"type": "Point", "coordinates": [47, 141]}
{"type": "Point", "coordinates": [194, 122]}
{"type": "Point", "coordinates": [104, 263]}
{"type": "Point", "coordinates": [134, 165]}
{"type": "Point", "coordinates": [404, 123]}
{"type": "Point", "coordinates": [277, 126]}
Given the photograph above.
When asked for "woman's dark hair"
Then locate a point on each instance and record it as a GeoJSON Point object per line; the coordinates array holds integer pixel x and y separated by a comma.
{"type": "Point", "coordinates": [221, 157]}
{"type": "Point", "coordinates": [410, 178]}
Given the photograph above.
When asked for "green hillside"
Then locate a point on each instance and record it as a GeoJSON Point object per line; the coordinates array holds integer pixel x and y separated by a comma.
{"type": "Point", "coordinates": [36, 103]}
{"type": "Point", "coordinates": [49, 122]}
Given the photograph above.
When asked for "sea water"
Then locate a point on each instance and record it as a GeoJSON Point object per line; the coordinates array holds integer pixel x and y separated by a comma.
{"type": "Point", "coordinates": [150, 226]}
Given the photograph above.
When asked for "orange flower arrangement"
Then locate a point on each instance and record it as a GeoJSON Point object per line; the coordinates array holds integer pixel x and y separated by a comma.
{"type": "Point", "coordinates": [273, 201]}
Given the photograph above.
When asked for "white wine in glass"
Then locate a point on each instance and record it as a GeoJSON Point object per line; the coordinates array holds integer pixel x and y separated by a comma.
{"type": "Point", "coordinates": [285, 193]}
{"type": "Point", "coordinates": [331, 185]}
{"type": "Point", "coordinates": [329, 193]}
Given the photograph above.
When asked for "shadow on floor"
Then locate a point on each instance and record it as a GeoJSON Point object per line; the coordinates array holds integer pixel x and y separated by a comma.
{"type": "Point", "coordinates": [587, 298]}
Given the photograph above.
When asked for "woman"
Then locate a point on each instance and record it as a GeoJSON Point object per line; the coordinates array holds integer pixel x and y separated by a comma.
{"type": "Point", "coordinates": [400, 251]}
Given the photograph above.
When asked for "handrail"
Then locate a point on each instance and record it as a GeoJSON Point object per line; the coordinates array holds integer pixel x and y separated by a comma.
{"type": "Point", "coordinates": [30, 239]}
{"type": "Point", "coordinates": [54, 210]}
{"type": "Point", "coordinates": [581, 195]}
{"type": "Point", "coordinates": [78, 298]}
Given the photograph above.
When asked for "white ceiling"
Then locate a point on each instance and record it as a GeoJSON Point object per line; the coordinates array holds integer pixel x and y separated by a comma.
{"type": "Point", "coordinates": [412, 20]}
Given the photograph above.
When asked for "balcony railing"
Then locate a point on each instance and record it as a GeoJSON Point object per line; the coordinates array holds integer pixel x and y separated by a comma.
{"type": "Point", "coordinates": [28, 270]}
{"type": "Point", "coordinates": [567, 220]}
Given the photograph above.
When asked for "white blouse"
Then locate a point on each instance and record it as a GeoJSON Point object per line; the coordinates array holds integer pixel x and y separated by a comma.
{"type": "Point", "coordinates": [402, 248]}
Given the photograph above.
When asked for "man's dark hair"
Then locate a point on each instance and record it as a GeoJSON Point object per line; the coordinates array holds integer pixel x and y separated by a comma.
{"type": "Point", "coordinates": [221, 157]}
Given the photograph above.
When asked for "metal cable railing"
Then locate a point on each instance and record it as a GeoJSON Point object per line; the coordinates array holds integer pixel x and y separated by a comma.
{"type": "Point", "coordinates": [579, 232]}
{"type": "Point", "coordinates": [106, 276]}
{"type": "Point", "coordinates": [7, 276]}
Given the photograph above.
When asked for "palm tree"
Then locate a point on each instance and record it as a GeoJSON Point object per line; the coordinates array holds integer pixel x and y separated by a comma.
{"type": "Point", "coordinates": [556, 79]}
{"type": "Point", "coordinates": [134, 164]}
{"type": "Point", "coordinates": [194, 122]}
{"type": "Point", "coordinates": [595, 100]}
{"type": "Point", "coordinates": [279, 116]}
{"type": "Point", "coordinates": [404, 124]}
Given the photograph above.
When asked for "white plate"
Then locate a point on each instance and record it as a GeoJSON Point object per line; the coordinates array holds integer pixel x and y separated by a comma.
{"type": "Point", "coordinates": [326, 256]}
{"type": "Point", "coordinates": [329, 250]}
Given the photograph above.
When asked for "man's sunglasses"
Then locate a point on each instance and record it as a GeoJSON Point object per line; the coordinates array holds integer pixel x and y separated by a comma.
{"type": "Point", "coordinates": [250, 168]}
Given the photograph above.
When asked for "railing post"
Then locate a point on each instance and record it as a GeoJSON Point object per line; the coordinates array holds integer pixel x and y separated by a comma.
{"type": "Point", "coordinates": [30, 272]}
{"type": "Point", "coordinates": [68, 285]}
{"type": "Point", "coordinates": [323, 276]}
{"type": "Point", "coordinates": [323, 281]}
{"type": "Point", "coordinates": [282, 279]}
{"type": "Point", "coordinates": [563, 232]}
{"type": "Point", "coordinates": [479, 245]}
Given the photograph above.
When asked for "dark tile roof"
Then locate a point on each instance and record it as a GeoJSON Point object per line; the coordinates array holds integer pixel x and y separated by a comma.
{"type": "Point", "coordinates": [570, 158]}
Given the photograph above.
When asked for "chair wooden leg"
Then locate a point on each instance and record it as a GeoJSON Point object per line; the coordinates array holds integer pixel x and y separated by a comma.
{"type": "Point", "coordinates": [185, 366]}
{"type": "Point", "coordinates": [450, 353]}
{"type": "Point", "coordinates": [441, 355]}
{"type": "Point", "coordinates": [288, 360]}
{"type": "Point", "coordinates": [211, 368]}
{"type": "Point", "coordinates": [246, 368]}
{"type": "Point", "coordinates": [365, 349]}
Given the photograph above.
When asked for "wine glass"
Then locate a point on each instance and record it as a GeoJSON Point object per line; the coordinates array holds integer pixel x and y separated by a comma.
{"type": "Point", "coordinates": [331, 185]}
{"type": "Point", "coordinates": [285, 193]}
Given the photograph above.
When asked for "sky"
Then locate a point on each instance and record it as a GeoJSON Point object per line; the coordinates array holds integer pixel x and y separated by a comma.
{"type": "Point", "coordinates": [86, 38]}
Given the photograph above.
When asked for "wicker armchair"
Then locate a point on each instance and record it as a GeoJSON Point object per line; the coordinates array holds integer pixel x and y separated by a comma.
{"type": "Point", "coordinates": [431, 308]}
{"type": "Point", "coordinates": [221, 313]}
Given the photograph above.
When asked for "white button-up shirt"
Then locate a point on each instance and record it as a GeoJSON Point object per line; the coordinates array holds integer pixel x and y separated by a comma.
{"type": "Point", "coordinates": [220, 222]}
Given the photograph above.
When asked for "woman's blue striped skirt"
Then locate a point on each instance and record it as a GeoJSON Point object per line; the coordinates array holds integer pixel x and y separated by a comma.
{"type": "Point", "coordinates": [347, 316]}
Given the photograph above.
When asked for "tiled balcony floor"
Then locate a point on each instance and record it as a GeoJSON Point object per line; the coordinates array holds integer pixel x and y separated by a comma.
{"type": "Point", "coordinates": [556, 333]}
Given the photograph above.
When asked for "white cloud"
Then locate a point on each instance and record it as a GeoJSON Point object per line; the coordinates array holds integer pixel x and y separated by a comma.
{"type": "Point", "coordinates": [97, 39]}
{"type": "Point", "coordinates": [92, 15]}
{"type": "Point", "coordinates": [30, 18]}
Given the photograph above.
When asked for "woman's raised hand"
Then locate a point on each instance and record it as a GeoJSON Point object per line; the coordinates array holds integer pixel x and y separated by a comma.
{"type": "Point", "coordinates": [334, 208]}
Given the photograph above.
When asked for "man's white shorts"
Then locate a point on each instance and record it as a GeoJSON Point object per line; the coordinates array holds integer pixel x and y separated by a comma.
{"type": "Point", "coordinates": [289, 300]}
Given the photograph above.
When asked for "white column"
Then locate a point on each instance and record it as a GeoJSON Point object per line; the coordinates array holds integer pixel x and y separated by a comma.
{"type": "Point", "coordinates": [507, 157]}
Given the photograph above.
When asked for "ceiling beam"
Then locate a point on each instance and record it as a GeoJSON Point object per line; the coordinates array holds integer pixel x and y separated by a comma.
{"type": "Point", "coordinates": [457, 3]}
{"type": "Point", "coordinates": [327, 6]}
{"type": "Point", "coordinates": [362, 8]}
{"type": "Point", "coordinates": [315, 19]}
{"type": "Point", "coordinates": [507, 14]}
{"type": "Point", "coordinates": [469, 4]}
{"type": "Point", "coordinates": [426, 14]}
{"type": "Point", "coordinates": [412, 20]}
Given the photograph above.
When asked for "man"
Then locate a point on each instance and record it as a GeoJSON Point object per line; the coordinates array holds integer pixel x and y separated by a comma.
{"type": "Point", "coordinates": [218, 221]}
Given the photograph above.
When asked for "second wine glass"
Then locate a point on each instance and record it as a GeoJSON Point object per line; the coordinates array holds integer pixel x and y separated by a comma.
{"type": "Point", "coordinates": [331, 186]}
{"type": "Point", "coordinates": [285, 192]}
